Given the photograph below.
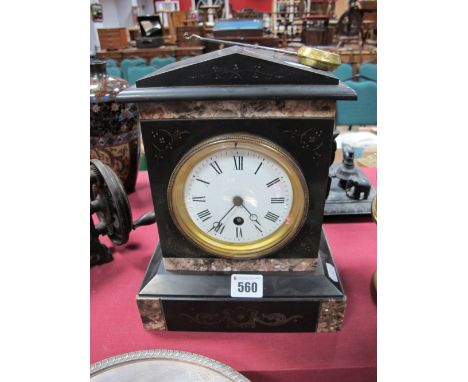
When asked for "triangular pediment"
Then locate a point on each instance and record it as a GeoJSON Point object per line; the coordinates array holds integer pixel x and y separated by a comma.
{"type": "Point", "coordinates": [237, 66]}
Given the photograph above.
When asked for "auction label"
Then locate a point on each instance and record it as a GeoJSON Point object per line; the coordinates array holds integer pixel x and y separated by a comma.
{"type": "Point", "coordinates": [246, 285]}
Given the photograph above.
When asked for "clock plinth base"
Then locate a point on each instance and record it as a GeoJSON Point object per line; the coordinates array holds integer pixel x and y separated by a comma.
{"type": "Point", "coordinates": [200, 301]}
{"type": "Point", "coordinates": [227, 265]}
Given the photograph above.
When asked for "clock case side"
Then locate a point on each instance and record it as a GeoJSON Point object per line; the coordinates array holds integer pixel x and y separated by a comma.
{"type": "Point", "coordinates": [307, 140]}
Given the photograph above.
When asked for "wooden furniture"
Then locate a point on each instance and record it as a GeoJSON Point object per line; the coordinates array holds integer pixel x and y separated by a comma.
{"type": "Point", "coordinates": [287, 17]}
{"type": "Point", "coordinates": [134, 33]}
{"type": "Point", "coordinates": [182, 42]}
{"type": "Point", "coordinates": [208, 15]}
{"type": "Point", "coordinates": [149, 53]}
{"type": "Point", "coordinates": [175, 19]}
{"type": "Point", "coordinates": [355, 55]}
{"type": "Point", "coordinates": [113, 38]}
{"type": "Point", "coordinates": [241, 30]}
{"type": "Point", "coordinates": [317, 30]}
{"type": "Point", "coordinates": [369, 20]}
{"type": "Point", "coordinates": [249, 13]}
{"type": "Point", "coordinates": [321, 7]}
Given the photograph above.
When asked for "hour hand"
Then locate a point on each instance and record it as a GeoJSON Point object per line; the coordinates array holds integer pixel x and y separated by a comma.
{"type": "Point", "coordinates": [252, 217]}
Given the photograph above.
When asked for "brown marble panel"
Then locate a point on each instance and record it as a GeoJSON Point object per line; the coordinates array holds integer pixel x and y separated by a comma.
{"type": "Point", "coordinates": [152, 314]}
{"type": "Point", "coordinates": [228, 265]}
{"type": "Point", "coordinates": [238, 109]}
{"type": "Point", "coordinates": [331, 315]}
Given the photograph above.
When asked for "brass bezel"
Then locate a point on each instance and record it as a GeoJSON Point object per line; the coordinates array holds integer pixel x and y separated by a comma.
{"type": "Point", "coordinates": [255, 249]}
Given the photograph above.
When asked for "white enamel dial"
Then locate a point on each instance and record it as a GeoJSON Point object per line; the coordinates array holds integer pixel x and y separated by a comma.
{"type": "Point", "coordinates": [238, 195]}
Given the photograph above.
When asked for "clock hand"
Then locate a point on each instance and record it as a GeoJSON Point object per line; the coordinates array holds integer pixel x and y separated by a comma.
{"type": "Point", "coordinates": [215, 224]}
{"type": "Point", "coordinates": [253, 217]}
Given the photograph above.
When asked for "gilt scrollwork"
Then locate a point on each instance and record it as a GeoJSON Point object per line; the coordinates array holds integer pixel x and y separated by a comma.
{"type": "Point", "coordinates": [241, 318]}
{"type": "Point", "coordinates": [310, 140]}
{"type": "Point", "coordinates": [164, 140]}
{"type": "Point", "coordinates": [234, 72]}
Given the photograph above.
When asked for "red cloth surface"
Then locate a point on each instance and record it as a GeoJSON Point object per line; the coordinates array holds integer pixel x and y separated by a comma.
{"type": "Point", "coordinates": [349, 355]}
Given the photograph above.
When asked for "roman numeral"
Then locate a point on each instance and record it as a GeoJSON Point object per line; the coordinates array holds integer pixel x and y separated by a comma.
{"type": "Point", "coordinates": [274, 181]}
{"type": "Point", "coordinates": [199, 199]}
{"type": "Point", "coordinates": [204, 215]}
{"type": "Point", "coordinates": [203, 181]}
{"type": "Point", "coordinates": [271, 216]}
{"type": "Point", "coordinates": [238, 232]}
{"type": "Point", "coordinates": [238, 162]}
{"type": "Point", "coordinates": [277, 200]}
{"type": "Point", "coordinates": [216, 167]}
{"type": "Point", "coordinates": [219, 228]}
{"type": "Point", "coordinates": [258, 168]}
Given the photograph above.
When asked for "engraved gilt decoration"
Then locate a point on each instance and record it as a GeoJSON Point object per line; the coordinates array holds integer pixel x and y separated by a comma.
{"type": "Point", "coordinates": [164, 140]}
{"type": "Point", "coordinates": [234, 72]}
{"type": "Point", "coordinates": [242, 318]}
{"type": "Point", "coordinates": [310, 140]}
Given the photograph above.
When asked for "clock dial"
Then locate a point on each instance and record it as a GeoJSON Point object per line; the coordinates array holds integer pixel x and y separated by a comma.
{"type": "Point", "coordinates": [238, 196]}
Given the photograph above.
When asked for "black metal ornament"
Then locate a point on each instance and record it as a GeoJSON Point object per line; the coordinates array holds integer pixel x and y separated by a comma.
{"type": "Point", "coordinates": [350, 192]}
{"type": "Point", "coordinates": [109, 203]}
{"type": "Point", "coordinates": [350, 178]}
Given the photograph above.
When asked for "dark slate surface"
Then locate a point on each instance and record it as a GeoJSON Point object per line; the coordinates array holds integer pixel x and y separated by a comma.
{"type": "Point", "coordinates": [158, 282]}
{"type": "Point", "coordinates": [200, 301]}
{"type": "Point", "coordinates": [237, 73]}
{"type": "Point", "coordinates": [237, 66]}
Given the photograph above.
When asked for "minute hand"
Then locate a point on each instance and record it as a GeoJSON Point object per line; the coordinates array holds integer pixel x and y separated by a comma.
{"type": "Point", "coordinates": [220, 220]}
{"type": "Point", "coordinates": [227, 213]}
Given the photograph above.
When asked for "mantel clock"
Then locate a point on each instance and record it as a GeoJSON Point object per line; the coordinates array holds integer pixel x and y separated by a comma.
{"type": "Point", "coordinates": [239, 143]}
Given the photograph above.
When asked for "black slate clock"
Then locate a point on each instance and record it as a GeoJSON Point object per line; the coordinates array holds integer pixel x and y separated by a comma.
{"type": "Point", "coordinates": [238, 144]}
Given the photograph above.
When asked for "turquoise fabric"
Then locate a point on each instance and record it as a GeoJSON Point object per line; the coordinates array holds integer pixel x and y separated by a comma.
{"type": "Point", "coordinates": [367, 72]}
{"type": "Point", "coordinates": [130, 62]}
{"type": "Point", "coordinates": [159, 62]}
{"type": "Point", "coordinates": [184, 57]}
{"type": "Point", "coordinates": [344, 72]}
{"type": "Point", "coordinates": [111, 62]}
{"type": "Point", "coordinates": [137, 72]}
{"type": "Point", "coordinates": [360, 112]}
{"type": "Point", "coordinates": [114, 71]}
{"type": "Point", "coordinates": [143, 163]}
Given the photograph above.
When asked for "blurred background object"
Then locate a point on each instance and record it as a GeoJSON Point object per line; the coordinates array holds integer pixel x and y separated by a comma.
{"type": "Point", "coordinates": [114, 127]}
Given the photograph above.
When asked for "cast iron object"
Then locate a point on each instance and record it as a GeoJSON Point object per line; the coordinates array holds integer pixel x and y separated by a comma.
{"type": "Point", "coordinates": [350, 192]}
{"type": "Point", "coordinates": [350, 22]}
{"type": "Point", "coordinates": [350, 178]}
{"type": "Point", "coordinates": [110, 205]}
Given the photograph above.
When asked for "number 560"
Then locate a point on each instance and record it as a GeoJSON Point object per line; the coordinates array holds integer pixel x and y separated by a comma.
{"type": "Point", "coordinates": [247, 287]}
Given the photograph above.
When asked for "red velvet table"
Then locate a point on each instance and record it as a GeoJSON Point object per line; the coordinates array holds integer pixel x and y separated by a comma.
{"type": "Point", "coordinates": [349, 355]}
